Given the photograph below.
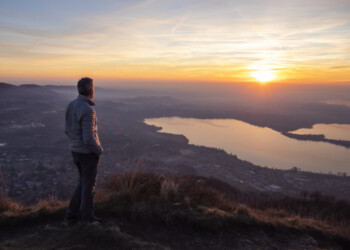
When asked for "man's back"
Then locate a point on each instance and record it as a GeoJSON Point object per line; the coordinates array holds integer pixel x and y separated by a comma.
{"type": "Point", "coordinates": [81, 126]}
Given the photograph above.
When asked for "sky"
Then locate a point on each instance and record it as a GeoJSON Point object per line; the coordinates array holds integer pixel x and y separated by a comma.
{"type": "Point", "coordinates": [229, 41]}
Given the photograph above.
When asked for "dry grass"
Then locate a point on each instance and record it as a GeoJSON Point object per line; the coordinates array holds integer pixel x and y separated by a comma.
{"type": "Point", "coordinates": [168, 189]}
{"type": "Point", "coordinates": [6, 204]}
{"type": "Point", "coordinates": [14, 214]}
{"type": "Point", "coordinates": [134, 185]}
{"type": "Point", "coordinates": [193, 201]}
{"type": "Point", "coordinates": [10, 207]}
{"type": "Point", "coordinates": [153, 196]}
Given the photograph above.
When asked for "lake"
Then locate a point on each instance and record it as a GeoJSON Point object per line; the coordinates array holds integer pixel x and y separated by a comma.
{"type": "Point", "coordinates": [330, 131]}
{"type": "Point", "coordinates": [259, 145]}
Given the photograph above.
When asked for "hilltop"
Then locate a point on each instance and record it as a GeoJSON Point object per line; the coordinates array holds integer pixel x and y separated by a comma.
{"type": "Point", "coordinates": [148, 211]}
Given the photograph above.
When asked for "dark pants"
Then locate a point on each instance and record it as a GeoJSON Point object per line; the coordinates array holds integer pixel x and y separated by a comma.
{"type": "Point", "coordinates": [81, 205]}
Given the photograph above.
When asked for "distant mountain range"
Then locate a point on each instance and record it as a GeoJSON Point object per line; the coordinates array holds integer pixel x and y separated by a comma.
{"type": "Point", "coordinates": [4, 85]}
{"type": "Point", "coordinates": [25, 92]}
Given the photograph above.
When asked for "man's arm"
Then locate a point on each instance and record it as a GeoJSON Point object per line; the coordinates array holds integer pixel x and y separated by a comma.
{"type": "Point", "coordinates": [89, 132]}
{"type": "Point", "coordinates": [66, 120]}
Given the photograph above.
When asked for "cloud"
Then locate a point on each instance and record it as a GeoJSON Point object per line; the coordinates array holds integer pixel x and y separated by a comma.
{"type": "Point", "coordinates": [188, 35]}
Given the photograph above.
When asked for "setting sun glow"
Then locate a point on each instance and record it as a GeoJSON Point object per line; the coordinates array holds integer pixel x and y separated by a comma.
{"type": "Point", "coordinates": [183, 41]}
{"type": "Point", "coordinates": [264, 76]}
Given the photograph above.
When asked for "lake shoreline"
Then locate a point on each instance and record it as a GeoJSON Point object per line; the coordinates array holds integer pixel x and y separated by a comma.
{"type": "Point", "coordinates": [274, 149]}
{"type": "Point", "coordinates": [243, 174]}
{"type": "Point", "coordinates": [317, 138]}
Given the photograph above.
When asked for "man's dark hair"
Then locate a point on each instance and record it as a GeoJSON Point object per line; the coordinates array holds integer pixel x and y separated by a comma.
{"type": "Point", "coordinates": [85, 86]}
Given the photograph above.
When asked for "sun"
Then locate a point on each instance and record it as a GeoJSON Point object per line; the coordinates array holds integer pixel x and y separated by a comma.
{"type": "Point", "coordinates": [264, 76]}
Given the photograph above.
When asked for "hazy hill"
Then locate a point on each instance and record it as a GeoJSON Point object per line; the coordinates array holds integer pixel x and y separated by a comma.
{"type": "Point", "coordinates": [4, 86]}
{"type": "Point", "coordinates": [145, 211]}
{"type": "Point", "coordinates": [26, 92]}
{"type": "Point", "coordinates": [30, 86]}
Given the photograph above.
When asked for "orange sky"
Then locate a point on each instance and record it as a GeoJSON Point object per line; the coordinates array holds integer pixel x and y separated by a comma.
{"type": "Point", "coordinates": [218, 41]}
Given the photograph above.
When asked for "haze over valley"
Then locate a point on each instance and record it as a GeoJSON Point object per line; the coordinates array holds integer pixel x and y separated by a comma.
{"type": "Point", "coordinates": [35, 155]}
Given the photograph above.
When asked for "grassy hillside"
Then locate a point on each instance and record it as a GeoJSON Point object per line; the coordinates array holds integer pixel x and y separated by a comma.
{"type": "Point", "coordinates": [147, 211]}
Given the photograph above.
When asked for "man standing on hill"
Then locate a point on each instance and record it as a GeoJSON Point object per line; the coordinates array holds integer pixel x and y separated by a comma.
{"type": "Point", "coordinates": [81, 128]}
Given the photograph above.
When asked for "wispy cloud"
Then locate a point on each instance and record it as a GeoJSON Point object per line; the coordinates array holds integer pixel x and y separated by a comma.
{"type": "Point", "coordinates": [187, 38]}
